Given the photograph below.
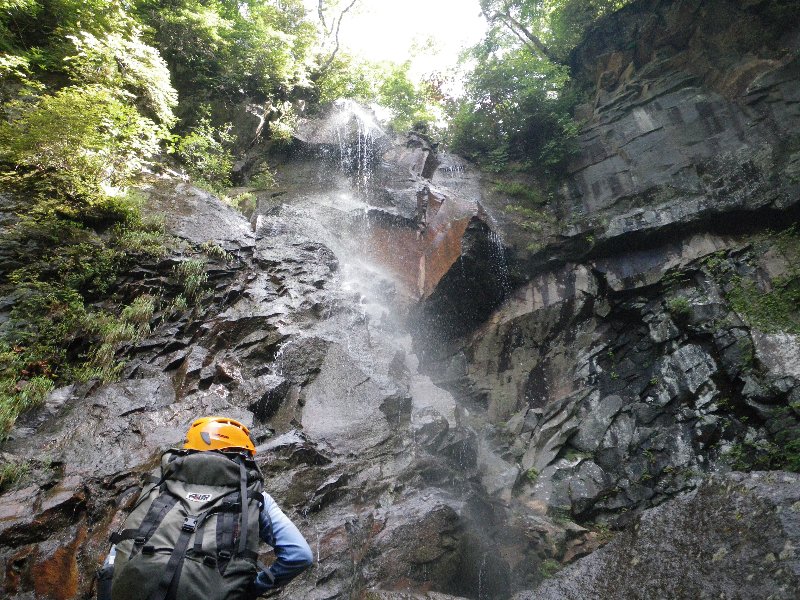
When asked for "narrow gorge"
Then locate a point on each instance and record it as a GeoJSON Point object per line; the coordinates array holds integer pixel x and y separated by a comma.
{"type": "Point", "coordinates": [595, 397]}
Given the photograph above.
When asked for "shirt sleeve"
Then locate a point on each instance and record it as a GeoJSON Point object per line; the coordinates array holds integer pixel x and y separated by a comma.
{"type": "Point", "coordinates": [292, 553]}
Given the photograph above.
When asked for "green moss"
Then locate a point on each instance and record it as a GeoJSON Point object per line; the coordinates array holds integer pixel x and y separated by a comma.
{"type": "Point", "coordinates": [771, 312]}
{"type": "Point", "coordinates": [549, 567]}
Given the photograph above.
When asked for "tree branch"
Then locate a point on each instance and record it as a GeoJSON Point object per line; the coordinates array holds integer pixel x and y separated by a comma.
{"type": "Point", "coordinates": [321, 14]}
{"type": "Point", "coordinates": [524, 34]}
{"type": "Point", "coordinates": [338, 24]}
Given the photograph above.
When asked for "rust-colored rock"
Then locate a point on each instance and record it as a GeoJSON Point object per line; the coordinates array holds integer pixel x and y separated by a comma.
{"type": "Point", "coordinates": [55, 572]}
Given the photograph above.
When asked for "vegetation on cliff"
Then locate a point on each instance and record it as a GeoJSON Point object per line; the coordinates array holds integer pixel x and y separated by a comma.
{"type": "Point", "coordinates": [517, 112]}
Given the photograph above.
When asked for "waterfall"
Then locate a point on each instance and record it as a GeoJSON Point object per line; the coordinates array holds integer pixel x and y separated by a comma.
{"type": "Point", "coordinates": [357, 131]}
{"type": "Point", "coordinates": [499, 260]}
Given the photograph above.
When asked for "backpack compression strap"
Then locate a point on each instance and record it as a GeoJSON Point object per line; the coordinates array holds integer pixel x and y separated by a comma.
{"type": "Point", "coordinates": [226, 525]}
{"type": "Point", "coordinates": [172, 571]}
{"type": "Point", "coordinates": [155, 514]}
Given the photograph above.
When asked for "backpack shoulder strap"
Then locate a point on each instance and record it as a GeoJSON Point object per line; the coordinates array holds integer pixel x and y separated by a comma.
{"type": "Point", "coordinates": [162, 504]}
{"type": "Point", "coordinates": [155, 515]}
{"type": "Point", "coordinates": [244, 502]}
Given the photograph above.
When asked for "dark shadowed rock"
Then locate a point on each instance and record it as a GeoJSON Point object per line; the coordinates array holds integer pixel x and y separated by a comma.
{"type": "Point", "coordinates": [735, 537]}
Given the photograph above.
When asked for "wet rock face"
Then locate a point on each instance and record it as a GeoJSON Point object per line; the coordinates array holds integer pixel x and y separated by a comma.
{"type": "Point", "coordinates": [299, 335]}
{"type": "Point", "coordinates": [735, 537]}
{"type": "Point", "coordinates": [640, 354]}
{"type": "Point", "coordinates": [689, 123]}
{"type": "Point", "coordinates": [618, 388]}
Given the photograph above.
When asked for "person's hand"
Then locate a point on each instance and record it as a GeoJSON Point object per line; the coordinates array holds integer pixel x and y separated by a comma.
{"type": "Point", "coordinates": [261, 584]}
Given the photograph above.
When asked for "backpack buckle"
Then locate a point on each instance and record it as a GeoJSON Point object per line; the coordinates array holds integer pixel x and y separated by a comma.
{"type": "Point", "coordinates": [139, 541]}
{"type": "Point", "coordinates": [224, 555]}
{"type": "Point", "coordinates": [148, 550]}
{"type": "Point", "coordinates": [189, 524]}
{"type": "Point", "coordinates": [210, 561]}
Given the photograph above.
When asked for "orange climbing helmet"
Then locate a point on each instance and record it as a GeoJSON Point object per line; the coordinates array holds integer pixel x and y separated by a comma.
{"type": "Point", "coordinates": [219, 433]}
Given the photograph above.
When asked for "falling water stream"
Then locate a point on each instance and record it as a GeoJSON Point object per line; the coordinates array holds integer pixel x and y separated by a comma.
{"type": "Point", "coordinates": [334, 206]}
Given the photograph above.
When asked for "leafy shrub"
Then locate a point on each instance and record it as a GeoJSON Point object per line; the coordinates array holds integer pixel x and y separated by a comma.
{"type": "Point", "coordinates": [205, 151]}
{"type": "Point", "coordinates": [283, 127]}
{"type": "Point", "coordinates": [192, 275]}
{"type": "Point", "coordinates": [134, 69]}
{"type": "Point", "coordinates": [75, 145]}
{"type": "Point", "coordinates": [517, 108]}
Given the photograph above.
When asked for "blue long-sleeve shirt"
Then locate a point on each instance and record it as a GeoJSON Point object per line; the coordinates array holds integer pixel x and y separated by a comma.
{"type": "Point", "coordinates": [292, 553]}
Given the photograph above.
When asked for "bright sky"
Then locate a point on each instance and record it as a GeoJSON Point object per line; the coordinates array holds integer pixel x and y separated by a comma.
{"type": "Point", "coordinates": [390, 29]}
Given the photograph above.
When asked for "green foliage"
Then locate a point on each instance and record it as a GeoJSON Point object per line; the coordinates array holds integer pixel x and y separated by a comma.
{"type": "Point", "coordinates": [283, 126]}
{"type": "Point", "coordinates": [192, 275]}
{"type": "Point", "coordinates": [569, 20]}
{"type": "Point", "coordinates": [516, 109]}
{"type": "Point", "coordinates": [135, 70]}
{"type": "Point", "coordinates": [411, 104]}
{"type": "Point", "coordinates": [76, 144]}
{"type": "Point", "coordinates": [177, 305]}
{"type": "Point", "coordinates": [221, 50]}
{"type": "Point", "coordinates": [111, 333]}
{"type": "Point", "coordinates": [765, 455]}
{"type": "Point", "coordinates": [347, 77]}
{"type": "Point", "coordinates": [214, 250]}
{"type": "Point", "coordinates": [547, 28]}
{"type": "Point", "coordinates": [55, 336]}
{"type": "Point", "coordinates": [679, 307]}
{"type": "Point", "coordinates": [13, 472]}
{"type": "Point", "coordinates": [534, 220]}
{"type": "Point", "coordinates": [205, 151]}
{"type": "Point", "coordinates": [530, 193]}
{"type": "Point", "coordinates": [532, 475]}
{"type": "Point", "coordinates": [519, 96]}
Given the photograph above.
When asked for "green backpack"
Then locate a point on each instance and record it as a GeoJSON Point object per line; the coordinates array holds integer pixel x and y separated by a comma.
{"type": "Point", "coordinates": [190, 535]}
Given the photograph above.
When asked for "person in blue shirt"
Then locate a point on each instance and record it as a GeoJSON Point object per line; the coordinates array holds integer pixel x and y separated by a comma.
{"type": "Point", "coordinates": [292, 553]}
